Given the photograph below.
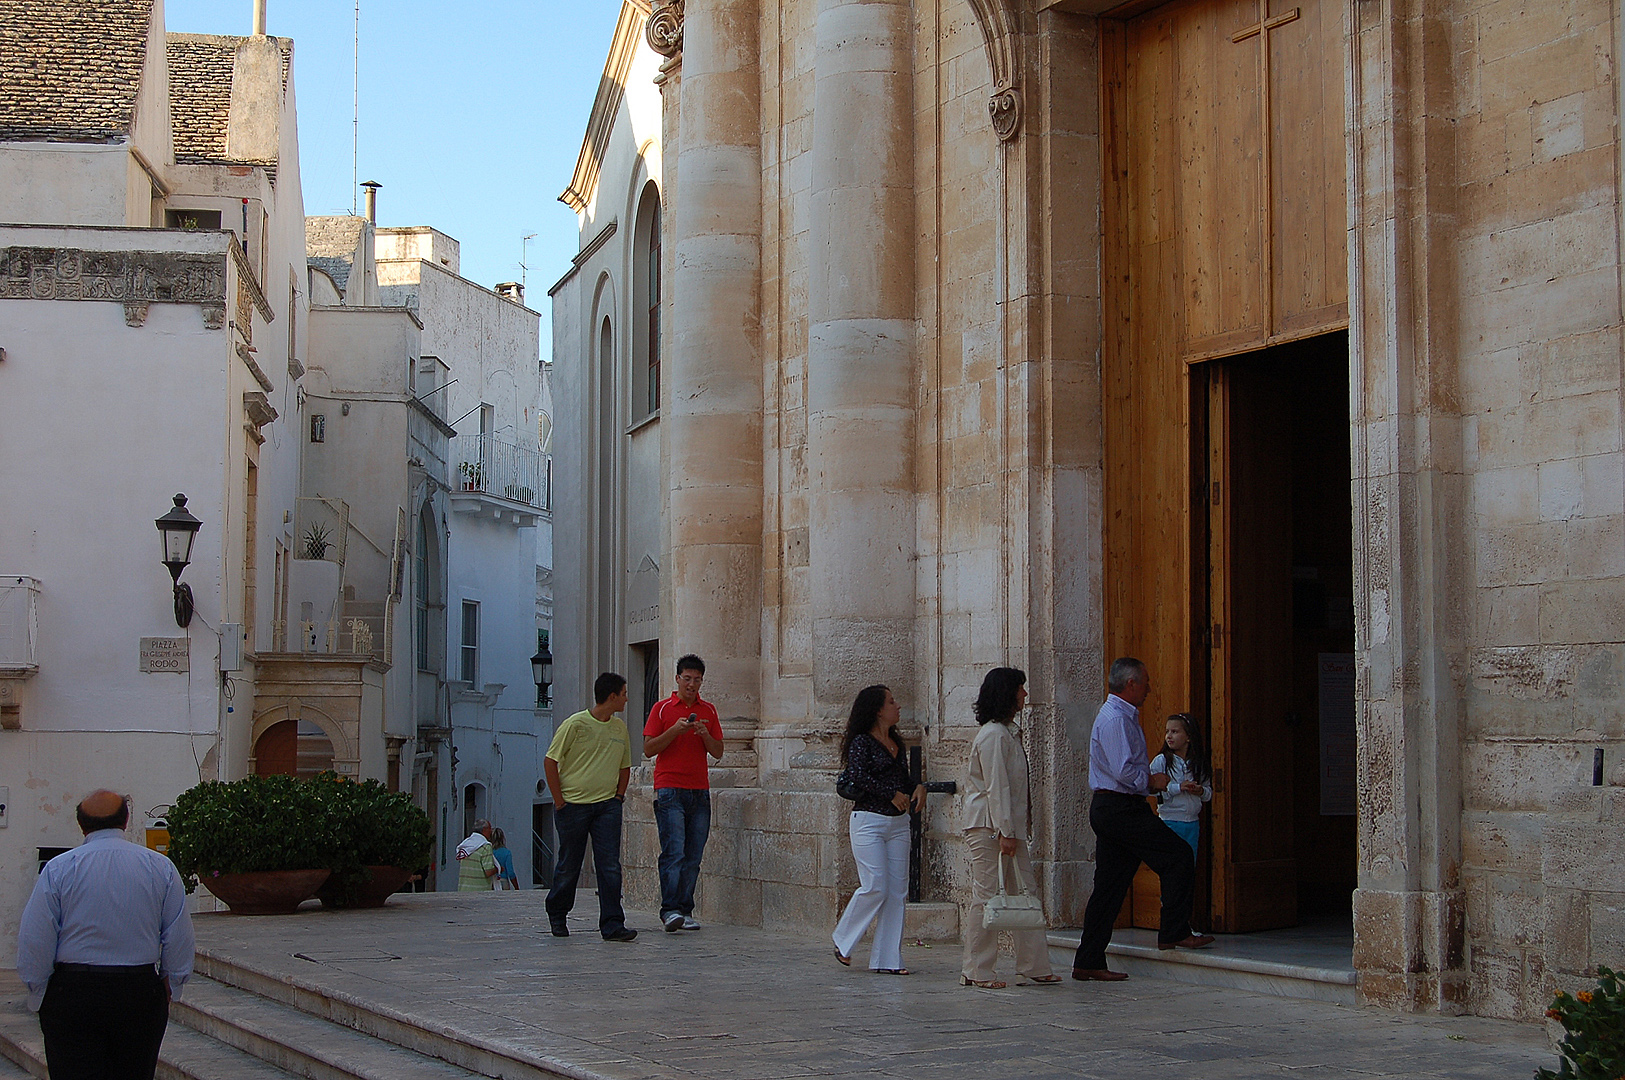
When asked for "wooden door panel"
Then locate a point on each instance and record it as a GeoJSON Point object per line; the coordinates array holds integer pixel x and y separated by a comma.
{"type": "Point", "coordinates": [276, 753]}
{"type": "Point", "coordinates": [1221, 180]}
{"type": "Point", "coordinates": [1307, 170]}
{"type": "Point", "coordinates": [1251, 559]}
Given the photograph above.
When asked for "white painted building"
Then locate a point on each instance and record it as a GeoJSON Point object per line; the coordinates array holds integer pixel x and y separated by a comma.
{"type": "Point", "coordinates": [606, 355]}
{"type": "Point", "coordinates": [488, 764]}
{"type": "Point", "coordinates": [152, 338]}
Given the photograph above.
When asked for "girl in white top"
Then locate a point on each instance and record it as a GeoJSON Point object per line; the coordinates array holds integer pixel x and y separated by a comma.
{"type": "Point", "coordinates": [1183, 759]}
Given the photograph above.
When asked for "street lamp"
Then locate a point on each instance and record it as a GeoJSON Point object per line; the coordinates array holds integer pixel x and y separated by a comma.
{"type": "Point", "coordinates": [179, 529]}
{"type": "Point", "coordinates": [541, 669]}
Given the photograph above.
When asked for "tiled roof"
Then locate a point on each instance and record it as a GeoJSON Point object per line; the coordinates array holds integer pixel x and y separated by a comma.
{"type": "Point", "coordinates": [331, 242]}
{"type": "Point", "coordinates": [70, 69]}
{"type": "Point", "coordinates": [200, 74]}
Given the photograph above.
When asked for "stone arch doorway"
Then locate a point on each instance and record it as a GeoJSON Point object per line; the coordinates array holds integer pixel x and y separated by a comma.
{"type": "Point", "coordinates": [298, 740]}
{"type": "Point", "coordinates": [297, 748]}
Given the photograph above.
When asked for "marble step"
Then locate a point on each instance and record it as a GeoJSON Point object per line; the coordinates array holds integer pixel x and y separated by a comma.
{"type": "Point", "coordinates": [1308, 977]}
{"type": "Point", "coordinates": [297, 1042]}
{"type": "Point", "coordinates": [399, 1027]}
{"type": "Point", "coordinates": [185, 1054]}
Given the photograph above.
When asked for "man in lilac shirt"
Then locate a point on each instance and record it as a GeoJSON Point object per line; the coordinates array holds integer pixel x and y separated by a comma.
{"type": "Point", "coordinates": [104, 942]}
{"type": "Point", "coordinates": [1127, 832]}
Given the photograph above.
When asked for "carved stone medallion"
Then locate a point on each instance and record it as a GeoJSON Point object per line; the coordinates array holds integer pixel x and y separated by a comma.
{"type": "Point", "coordinates": [665, 29]}
{"type": "Point", "coordinates": [1004, 109]}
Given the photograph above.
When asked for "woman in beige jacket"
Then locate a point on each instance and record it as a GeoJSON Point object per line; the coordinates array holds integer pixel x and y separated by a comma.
{"type": "Point", "coordinates": [997, 822]}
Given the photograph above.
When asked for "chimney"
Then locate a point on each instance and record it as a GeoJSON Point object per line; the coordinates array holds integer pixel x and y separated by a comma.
{"type": "Point", "coordinates": [259, 18]}
{"type": "Point", "coordinates": [512, 290]}
{"type": "Point", "coordinates": [372, 187]}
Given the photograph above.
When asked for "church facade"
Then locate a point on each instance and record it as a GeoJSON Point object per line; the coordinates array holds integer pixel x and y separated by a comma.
{"type": "Point", "coordinates": [1278, 346]}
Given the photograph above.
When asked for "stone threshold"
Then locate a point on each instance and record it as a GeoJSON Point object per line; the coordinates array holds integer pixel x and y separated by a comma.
{"type": "Point", "coordinates": [1136, 953]}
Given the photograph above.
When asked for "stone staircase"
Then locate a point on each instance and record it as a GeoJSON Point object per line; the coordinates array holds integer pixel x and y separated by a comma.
{"type": "Point", "coordinates": [242, 1025]}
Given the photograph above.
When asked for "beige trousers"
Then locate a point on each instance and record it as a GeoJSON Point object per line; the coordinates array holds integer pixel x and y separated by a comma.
{"type": "Point", "coordinates": [982, 944]}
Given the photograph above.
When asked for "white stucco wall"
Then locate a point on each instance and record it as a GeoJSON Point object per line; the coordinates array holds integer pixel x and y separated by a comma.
{"type": "Point", "coordinates": [594, 616]}
{"type": "Point", "coordinates": [102, 423]}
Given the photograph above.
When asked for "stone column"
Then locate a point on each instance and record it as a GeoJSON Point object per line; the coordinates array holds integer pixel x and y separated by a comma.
{"type": "Point", "coordinates": [860, 386]}
{"type": "Point", "coordinates": [712, 412]}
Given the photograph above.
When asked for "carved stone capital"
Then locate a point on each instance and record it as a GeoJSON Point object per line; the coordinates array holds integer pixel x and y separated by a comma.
{"type": "Point", "coordinates": [665, 29]}
{"type": "Point", "coordinates": [1004, 109]}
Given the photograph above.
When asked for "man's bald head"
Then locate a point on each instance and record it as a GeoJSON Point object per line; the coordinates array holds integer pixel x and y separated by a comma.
{"type": "Point", "coordinates": [103, 810]}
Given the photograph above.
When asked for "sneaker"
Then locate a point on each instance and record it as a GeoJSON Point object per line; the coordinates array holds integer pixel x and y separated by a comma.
{"type": "Point", "coordinates": [559, 929]}
{"type": "Point", "coordinates": [673, 922]}
{"type": "Point", "coordinates": [625, 933]}
{"type": "Point", "coordinates": [690, 923]}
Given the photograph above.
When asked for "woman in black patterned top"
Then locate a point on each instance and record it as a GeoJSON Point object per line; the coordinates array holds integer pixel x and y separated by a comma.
{"type": "Point", "coordinates": [876, 766]}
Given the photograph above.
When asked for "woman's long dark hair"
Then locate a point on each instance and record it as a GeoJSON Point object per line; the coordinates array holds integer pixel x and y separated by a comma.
{"type": "Point", "coordinates": [997, 699]}
{"type": "Point", "coordinates": [865, 708]}
{"type": "Point", "coordinates": [1196, 759]}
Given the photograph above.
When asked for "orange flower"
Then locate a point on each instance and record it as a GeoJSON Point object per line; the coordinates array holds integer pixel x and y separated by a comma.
{"type": "Point", "coordinates": [1585, 996]}
{"type": "Point", "coordinates": [1553, 1014]}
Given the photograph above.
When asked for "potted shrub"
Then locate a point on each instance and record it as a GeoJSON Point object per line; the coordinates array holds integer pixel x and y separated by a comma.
{"type": "Point", "coordinates": [384, 838]}
{"type": "Point", "coordinates": [263, 844]}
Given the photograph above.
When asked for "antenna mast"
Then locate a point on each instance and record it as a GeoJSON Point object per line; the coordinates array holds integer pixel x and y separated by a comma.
{"type": "Point", "coordinates": [355, 123]}
{"type": "Point", "coordinates": [524, 253]}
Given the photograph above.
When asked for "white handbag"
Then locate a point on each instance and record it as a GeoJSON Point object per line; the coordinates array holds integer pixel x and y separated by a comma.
{"type": "Point", "coordinates": [1012, 911]}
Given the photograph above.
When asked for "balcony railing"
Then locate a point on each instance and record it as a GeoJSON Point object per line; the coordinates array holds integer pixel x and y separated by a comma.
{"type": "Point", "coordinates": [493, 467]}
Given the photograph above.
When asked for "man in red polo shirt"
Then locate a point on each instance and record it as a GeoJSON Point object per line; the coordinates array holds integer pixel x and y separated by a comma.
{"type": "Point", "coordinates": [681, 730]}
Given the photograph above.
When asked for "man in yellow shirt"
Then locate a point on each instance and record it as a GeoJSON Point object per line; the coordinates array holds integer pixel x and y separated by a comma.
{"type": "Point", "coordinates": [588, 766]}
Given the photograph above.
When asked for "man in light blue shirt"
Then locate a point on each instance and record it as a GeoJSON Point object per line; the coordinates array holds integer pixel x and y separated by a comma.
{"type": "Point", "coordinates": [1127, 832]}
{"type": "Point", "coordinates": [105, 941]}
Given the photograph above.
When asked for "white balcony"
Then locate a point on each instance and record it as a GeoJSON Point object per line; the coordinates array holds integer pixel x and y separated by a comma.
{"type": "Point", "coordinates": [500, 478]}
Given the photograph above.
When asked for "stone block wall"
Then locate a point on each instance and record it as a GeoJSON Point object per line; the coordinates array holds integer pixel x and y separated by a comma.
{"type": "Point", "coordinates": [1536, 315]}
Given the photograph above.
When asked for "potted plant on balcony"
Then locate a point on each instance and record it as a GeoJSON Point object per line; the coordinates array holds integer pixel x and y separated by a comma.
{"type": "Point", "coordinates": [385, 838]}
{"type": "Point", "coordinates": [473, 474]}
{"type": "Point", "coordinates": [262, 844]}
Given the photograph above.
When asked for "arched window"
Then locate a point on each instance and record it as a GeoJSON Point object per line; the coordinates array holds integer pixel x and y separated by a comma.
{"type": "Point", "coordinates": [646, 292]}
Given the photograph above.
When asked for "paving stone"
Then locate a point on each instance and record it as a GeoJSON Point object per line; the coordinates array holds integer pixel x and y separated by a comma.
{"type": "Point", "coordinates": [733, 1003]}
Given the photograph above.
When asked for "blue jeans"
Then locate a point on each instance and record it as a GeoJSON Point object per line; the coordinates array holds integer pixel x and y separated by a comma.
{"type": "Point", "coordinates": [579, 824]}
{"type": "Point", "coordinates": [684, 818]}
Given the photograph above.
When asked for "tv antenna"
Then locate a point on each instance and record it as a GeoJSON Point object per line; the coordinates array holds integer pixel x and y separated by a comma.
{"type": "Point", "coordinates": [524, 253]}
{"type": "Point", "coordinates": [355, 122]}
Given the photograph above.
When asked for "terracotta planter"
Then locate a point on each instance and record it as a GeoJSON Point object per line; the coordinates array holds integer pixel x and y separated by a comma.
{"type": "Point", "coordinates": [372, 893]}
{"type": "Point", "coordinates": [265, 892]}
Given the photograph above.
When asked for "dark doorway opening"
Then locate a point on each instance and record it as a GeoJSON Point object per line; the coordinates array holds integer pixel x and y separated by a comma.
{"type": "Point", "coordinates": [1280, 632]}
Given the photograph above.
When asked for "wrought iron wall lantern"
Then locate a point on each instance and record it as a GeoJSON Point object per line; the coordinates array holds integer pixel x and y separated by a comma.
{"type": "Point", "coordinates": [178, 529]}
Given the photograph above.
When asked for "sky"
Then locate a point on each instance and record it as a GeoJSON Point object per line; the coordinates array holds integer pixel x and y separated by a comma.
{"type": "Point", "coordinates": [471, 115]}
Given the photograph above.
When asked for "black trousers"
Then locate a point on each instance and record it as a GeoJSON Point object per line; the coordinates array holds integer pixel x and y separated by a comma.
{"type": "Point", "coordinates": [103, 1025]}
{"type": "Point", "coordinates": [1127, 833]}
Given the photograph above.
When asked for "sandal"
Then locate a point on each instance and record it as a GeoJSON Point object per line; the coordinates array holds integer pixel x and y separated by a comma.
{"type": "Point", "coordinates": [1037, 980]}
{"type": "Point", "coordinates": [892, 971]}
{"type": "Point", "coordinates": [846, 961]}
{"type": "Point", "coordinates": [991, 984]}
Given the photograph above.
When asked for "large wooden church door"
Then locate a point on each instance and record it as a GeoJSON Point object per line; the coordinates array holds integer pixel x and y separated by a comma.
{"type": "Point", "coordinates": [1224, 234]}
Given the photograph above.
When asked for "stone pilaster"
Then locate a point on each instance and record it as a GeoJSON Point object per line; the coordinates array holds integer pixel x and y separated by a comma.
{"type": "Point", "coordinates": [712, 411]}
{"type": "Point", "coordinates": [1409, 498]}
{"type": "Point", "coordinates": [860, 351]}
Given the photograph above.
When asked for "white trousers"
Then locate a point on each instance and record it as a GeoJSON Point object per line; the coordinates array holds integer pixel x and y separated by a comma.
{"type": "Point", "coordinates": [982, 944]}
{"type": "Point", "coordinates": [880, 848]}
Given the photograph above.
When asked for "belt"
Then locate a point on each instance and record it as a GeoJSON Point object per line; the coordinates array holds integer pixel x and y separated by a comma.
{"type": "Point", "coordinates": [108, 969]}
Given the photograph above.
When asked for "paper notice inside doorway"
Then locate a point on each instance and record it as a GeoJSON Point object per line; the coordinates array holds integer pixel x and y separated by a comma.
{"type": "Point", "coordinates": [1337, 750]}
